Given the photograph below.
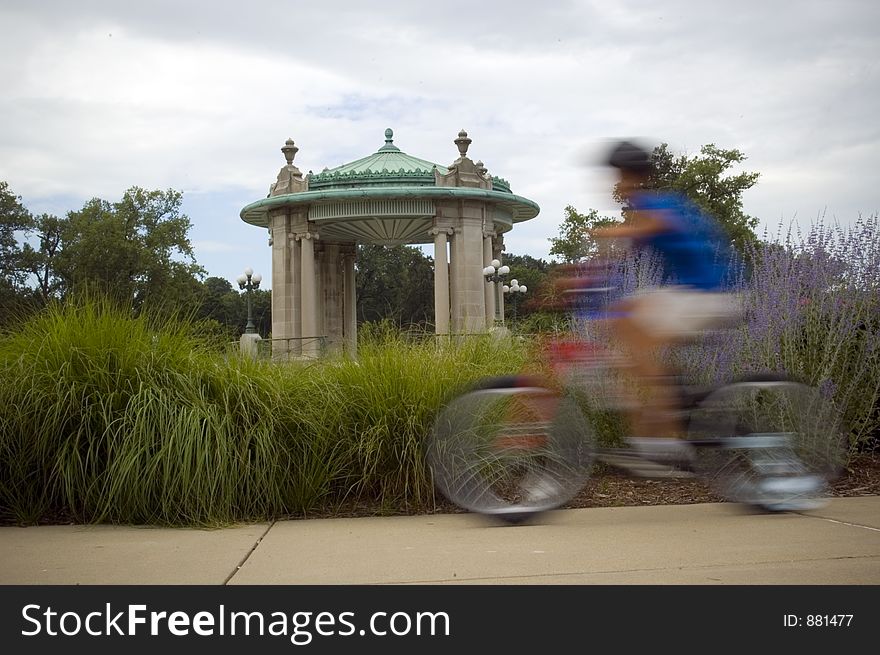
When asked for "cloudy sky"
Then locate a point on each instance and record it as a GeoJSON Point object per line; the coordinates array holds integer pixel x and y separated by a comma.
{"type": "Point", "coordinates": [200, 96]}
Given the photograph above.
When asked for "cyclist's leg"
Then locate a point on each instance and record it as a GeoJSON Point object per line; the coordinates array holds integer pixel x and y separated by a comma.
{"type": "Point", "coordinates": [669, 317]}
{"type": "Point", "coordinates": [654, 416]}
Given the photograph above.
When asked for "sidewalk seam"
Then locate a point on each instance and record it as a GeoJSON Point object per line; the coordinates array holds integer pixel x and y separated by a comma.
{"type": "Point", "coordinates": [653, 569]}
{"type": "Point", "coordinates": [248, 554]}
{"type": "Point", "coordinates": [852, 525]}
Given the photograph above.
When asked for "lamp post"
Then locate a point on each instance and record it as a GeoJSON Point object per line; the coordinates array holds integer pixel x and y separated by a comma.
{"type": "Point", "coordinates": [249, 281]}
{"type": "Point", "coordinates": [515, 289]}
{"type": "Point", "coordinates": [495, 274]}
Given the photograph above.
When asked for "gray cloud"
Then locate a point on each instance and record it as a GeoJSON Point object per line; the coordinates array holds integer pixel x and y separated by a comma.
{"type": "Point", "coordinates": [200, 96]}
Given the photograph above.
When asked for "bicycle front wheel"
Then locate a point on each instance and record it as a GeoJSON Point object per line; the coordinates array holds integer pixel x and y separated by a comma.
{"type": "Point", "coordinates": [771, 443]}
{"type": "Point", "coordinates": [510, 449]}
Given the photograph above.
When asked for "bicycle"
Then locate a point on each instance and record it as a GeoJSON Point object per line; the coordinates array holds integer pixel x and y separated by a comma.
{"type": "Point", "coordinates": [516, 446]}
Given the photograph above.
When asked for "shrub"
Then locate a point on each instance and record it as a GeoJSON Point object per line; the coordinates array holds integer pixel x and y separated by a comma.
{"type": "Point", "coordinates": [106, 416]}
{"type": "Point", "coordinates": [812, 312]}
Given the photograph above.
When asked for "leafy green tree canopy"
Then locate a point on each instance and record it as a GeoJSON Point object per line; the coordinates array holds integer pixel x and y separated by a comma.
{"type": "Point", "coordinates": [575, 240]}
{"type": "Point", "coordinates": [529, 271]}
{"type": "Point", "coordinates": [706, 179]}
{"type": "Point", "coordinates": [136, 248]}
{"type": "Point", "coordinates": [227, 306]}
{"type": "Point", "coordinates": [394, 283]}
{"type": "Point", "coordinates": [14, 219]}
{"type": "Point", "coordinates": [40, 261]}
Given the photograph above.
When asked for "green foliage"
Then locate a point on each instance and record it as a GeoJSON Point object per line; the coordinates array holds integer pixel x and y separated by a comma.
{"type": "Point", "coordinates": [227, 306]}
{"type": "Point", "coordinates": [706, 179]}
{"type": "Point", "coordinates": [41, 262]}
{"type": "Point", "coordinates": [541, 322]}
{"type": "Point", "coordinates": [575, 240]}
{"type": "Point", "coordinates": [14, 218]}
{"type": "Point", "coordinates": [380, 408]}
{"type": "Point", "coordinates": [532, 273]}
{"type": "Point", "coordinates": [136, 248]}
{"type": "Point", "coordinates": [521, 265]}
{"type": "Point", "coordinates": [111, 416]}
{"type": "Point", "coordinates": [396, 283]}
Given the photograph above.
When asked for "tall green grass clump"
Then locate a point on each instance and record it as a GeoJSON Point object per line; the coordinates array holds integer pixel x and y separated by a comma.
{"type": "Point", "coordinates": [379, 407]}
{"type": "Point", "coordinates": [110, 417]}
{"type": "Point", "coordinates": [106, 416]}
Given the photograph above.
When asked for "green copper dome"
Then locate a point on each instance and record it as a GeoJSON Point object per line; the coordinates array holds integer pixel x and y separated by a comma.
{"type": "Point", "coordinates": [388, 197]}
{"type": "Point", "coordinates": [388, 166]}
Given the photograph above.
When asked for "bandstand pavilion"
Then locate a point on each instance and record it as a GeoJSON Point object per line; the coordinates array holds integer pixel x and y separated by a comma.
{"type": "Point", "coordinates": [389, 197]}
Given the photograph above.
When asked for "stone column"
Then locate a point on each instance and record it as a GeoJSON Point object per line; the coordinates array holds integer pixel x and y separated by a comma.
{"type": "Point", "coordinates": [452, 274]}
{"type": "Point", "coordinates": [296, 295]}
{"type": "Point", "coordinates": [441, 282]}
{"type": "Point", "coordinates": [489, 288]}
{"type": "Point", "coordinates": [284, 224]}
{"type": "Point", "coordinates": [470, 218]}
{"type": "Point", "coordinates": [311, 346]}
{"type": "Point", "coordinates": [331, 293]}
{"type": "Point", "coordinates": [469, 280]}
{"type": "Point", "coordinates": [282, 281]}
{"type": "Point", "coordinates": [349, 308]}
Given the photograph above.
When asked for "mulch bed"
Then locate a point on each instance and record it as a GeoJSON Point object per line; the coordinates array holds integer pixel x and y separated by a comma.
{"type": "Point", "coordinates": [609, 487]}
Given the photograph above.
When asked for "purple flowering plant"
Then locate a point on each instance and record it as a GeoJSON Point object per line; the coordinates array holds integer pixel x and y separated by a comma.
{"type": "Point", "coordinates": [811, 305]}
{"type": "Point", "coordinates": [812, 312]}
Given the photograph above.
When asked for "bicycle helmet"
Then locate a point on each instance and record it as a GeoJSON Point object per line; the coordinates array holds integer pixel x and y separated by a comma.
{"type": "Point", "coordinates": [630, 157]}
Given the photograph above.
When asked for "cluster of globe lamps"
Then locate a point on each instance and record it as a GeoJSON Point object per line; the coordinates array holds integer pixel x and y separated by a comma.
{"type": "Point", "coordinates": [496, 273]}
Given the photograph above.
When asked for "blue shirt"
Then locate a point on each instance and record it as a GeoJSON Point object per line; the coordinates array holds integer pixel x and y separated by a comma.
{"type": "Point", "coordinates": [694, 249]}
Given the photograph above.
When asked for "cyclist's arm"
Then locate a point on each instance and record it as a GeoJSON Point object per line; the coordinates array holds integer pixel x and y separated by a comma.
{"type": "Point", "coordinates": [644, 224]}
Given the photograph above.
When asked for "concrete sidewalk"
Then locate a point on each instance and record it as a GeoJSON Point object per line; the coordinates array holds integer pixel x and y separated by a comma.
{"type": "Point", "coordinates": [683, 544]}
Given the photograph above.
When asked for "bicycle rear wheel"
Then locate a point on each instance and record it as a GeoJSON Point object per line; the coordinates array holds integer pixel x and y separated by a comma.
{"type": "Point", "coordinates": [770, 443]}
{"type": "Point", "coordinates": [510, 449]}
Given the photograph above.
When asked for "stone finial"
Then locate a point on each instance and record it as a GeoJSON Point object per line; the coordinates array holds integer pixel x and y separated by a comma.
{"type": "Point", "coordinates": [481, 168]}
{"type": "Point", "coordinates": [289, 150]}
{"type": "Point", "coordinates": [462, 142]}
{"type": "Point", "coordinates": [389, 142]}
{"type": "Point", "coordinates": [290, 179]}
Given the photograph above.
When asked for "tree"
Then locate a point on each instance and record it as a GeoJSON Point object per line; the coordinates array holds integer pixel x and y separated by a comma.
{"type": "Point", "coordinates": [221, 303]}
{"type": "Point", "coordinates": [14, 220]}
{"type": "Point", "coordinates": [395, 283]}
{"type": "Point", "coordinates": [528, 271]}
{"type": "Point", "coordinates": [135, 249]}
{"type": "Point", "coordinates": [261, 309]}
{"type": "Point", "coordinates": [575, 241]}
{"type": "Point", "coordinates": [40, 262]}
{"type": "Point", "coordinates": [705, 179]}
{"type": "Point", "coordinates": [227, 306]}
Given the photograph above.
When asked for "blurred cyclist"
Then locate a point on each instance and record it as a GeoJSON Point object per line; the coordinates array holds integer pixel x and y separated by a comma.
{"type": "Point", "coordinates": [693, 250]}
